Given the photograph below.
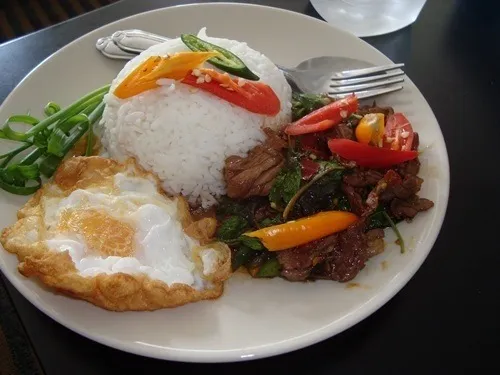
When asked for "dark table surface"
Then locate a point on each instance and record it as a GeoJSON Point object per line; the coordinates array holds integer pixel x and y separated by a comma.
{"type": "Point", "coordinates": [447, 318]}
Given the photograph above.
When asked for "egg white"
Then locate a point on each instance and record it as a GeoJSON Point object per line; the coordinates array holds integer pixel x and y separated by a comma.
{"type": "Point", "coordinates": [162, 250]}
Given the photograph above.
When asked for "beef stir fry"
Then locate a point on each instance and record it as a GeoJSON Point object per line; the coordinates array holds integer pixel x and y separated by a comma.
{"type": "Point", "coordinates": [313, 200]}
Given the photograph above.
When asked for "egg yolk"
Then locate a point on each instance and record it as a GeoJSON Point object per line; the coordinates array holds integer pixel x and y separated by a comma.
{"type": "Point", "coordinates": [104, 234]}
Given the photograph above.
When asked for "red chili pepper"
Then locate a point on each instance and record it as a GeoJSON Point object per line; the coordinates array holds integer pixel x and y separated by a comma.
{"type": "Point", "coordinates": [309, 168]}
{"type": "Point", "coordinates": [369, 156]}
{"type": "Point", "coordinates": [255, 97]}
{"type": "Point", "coordinates": [309, 128]}
{"type": "Point", "coordinates": [325, 117]}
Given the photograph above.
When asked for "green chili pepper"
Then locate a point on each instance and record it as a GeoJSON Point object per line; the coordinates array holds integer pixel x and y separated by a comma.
{"type": "Point", "coordinates": [226, 61]}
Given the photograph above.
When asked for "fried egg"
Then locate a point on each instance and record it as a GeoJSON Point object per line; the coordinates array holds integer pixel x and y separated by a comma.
{"type": "Point", "coordinates": [104, 232]}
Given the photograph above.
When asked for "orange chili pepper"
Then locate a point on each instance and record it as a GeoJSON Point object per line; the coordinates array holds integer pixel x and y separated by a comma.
{"type": "Point", "coordinates": [301, 231]}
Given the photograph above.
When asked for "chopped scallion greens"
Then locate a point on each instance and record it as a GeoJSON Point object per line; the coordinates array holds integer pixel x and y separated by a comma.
{"type": "Point", "coordinates": [46, 143]}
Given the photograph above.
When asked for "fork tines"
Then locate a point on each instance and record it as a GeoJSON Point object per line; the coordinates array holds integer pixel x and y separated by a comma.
{"type": "Point", "coordinates": [366, 83]}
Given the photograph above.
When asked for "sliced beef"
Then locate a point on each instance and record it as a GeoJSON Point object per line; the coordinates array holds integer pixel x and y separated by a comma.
{"type": "Point", "coordinates": [262, 210]}
{"type": "Point", "coordinates": [348, 257]}
{"type": "Point", "coordinates": [375, 234]}
{"type": "Point", "coordinates": [338, 257]}
{"type": "Point", "coordinates": [354, 198]}
{"type": "Point", "coordinates": [254, 174]}
{"type": "Point", "coordinates": [375, 240]}
{"type": "Point", "coordinates": [411, 167]}
{"type": "Point", "coordinates": [274, 139]}
{"type": "Point", "coordinates": [354, 184]}
{"type": "Point", "coordinates": [342, 131]}
{"type": "Point", "coordinates": [390, 179]}
{"type": "Point", "coordinates": [387, 111]}
{"type": "Point", "coordinates": [363, 177]}
{"type": "Point", "coordinates": [297, 263]}
{"type": "Point", "coordinates": [409, 186]}
{"type": "Point", "coordinates": [409, 208]}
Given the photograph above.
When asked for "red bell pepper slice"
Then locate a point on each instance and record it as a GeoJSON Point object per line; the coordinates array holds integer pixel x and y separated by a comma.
{"type": "Point", "coordinates": [369, 156]}
{"type": "Point", "coordinates": [325, 117]}
{"type": "Point", "coordinates": [255, 97]}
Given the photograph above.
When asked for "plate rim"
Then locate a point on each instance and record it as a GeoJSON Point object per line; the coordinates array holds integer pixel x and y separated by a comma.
{"type": "Point", "coordinates": [386, 292]}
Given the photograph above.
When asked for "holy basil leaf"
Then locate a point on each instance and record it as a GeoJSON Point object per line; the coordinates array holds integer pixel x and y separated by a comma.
{"type": "Point", "coordinates": [251, 242]}
{"type": "Point", "coordinates": [319, 196]}
{"type": "Point", "coordinates": [270, 221]}
{"type": "Point", "coordinates": [271, 268]}
{"type": "Point", "coordinates": [303, 104]}
{"type": "Point", "coordinates": [285, 186]}
{"type": "Point", "coordinates": [379, 219]}
{"type": "Point", "coordinates": [229, 207]}
{"type": "Point", "coordinates": [231, 228]}
{"type": "Point", "coordinates": [343, 203]}
{"type": "Point", "coordinates": [242, 256]}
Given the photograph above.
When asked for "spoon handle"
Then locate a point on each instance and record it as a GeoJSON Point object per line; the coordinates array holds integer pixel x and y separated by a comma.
{"type": "Point", "coordinates": [111, 50]}
{"type": "Point", "coordinates": [136, 41]}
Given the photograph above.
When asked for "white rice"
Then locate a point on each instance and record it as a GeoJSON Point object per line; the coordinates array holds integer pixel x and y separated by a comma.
{"type": "Point", "coordinates": [183, 134]}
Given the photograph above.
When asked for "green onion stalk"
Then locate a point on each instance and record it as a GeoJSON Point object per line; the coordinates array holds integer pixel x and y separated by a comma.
{"type": "Point", "coordinates": [47, 141]}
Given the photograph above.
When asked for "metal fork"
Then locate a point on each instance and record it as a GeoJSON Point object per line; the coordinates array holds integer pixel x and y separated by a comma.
{"type": "Point", "coordinates": [311, 76]}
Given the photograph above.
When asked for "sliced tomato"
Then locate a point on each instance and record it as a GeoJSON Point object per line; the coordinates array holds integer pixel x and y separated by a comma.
{"type": "Point", "coordinates": [398, 134]}
{"type": "Point", "coordinates": [255, 97]}
{"type": "Point", "coordinates": [369, 156]}
{"type": "Point", "coordinates": [325, 117]}
{"type": "Point", "coordinates": [309, 168]}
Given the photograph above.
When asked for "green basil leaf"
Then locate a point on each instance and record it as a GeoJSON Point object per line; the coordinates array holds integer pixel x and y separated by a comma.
{"type": "Point", "coordinates": [231, 228]}
{"type": "Point", "coordinates": [267, 222]}
{"type": "Point", "coordinates": [271, 268]}
{"type": "Point", "coordinates": [251, 242]}
{"type": "Point", "coordinates": [303, 104]}
{"type": "Point", "coordinates": [286, 185]}
{"type": "Point", "coordinates": [241, 257]}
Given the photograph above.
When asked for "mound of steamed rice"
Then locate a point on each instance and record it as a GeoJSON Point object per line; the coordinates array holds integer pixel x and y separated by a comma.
{"type": "Point", "coordinates": [183, 134]}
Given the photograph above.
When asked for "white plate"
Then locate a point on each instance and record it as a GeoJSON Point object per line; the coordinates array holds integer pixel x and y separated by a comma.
{"type": "Point", "coordinates": [254, 318]}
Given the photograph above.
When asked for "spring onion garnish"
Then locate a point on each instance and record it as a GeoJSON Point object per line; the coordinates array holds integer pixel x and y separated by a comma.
{"type": "Point", "coordinates": [396, 231]}
{"type": "Point", "coordinates": [225, 61]}
{"type": "Point", "coordinates": [44, 145]}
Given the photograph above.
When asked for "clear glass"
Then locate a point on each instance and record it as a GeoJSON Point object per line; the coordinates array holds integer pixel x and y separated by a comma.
{"type": "Point", "coordinates": [369, 17]}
